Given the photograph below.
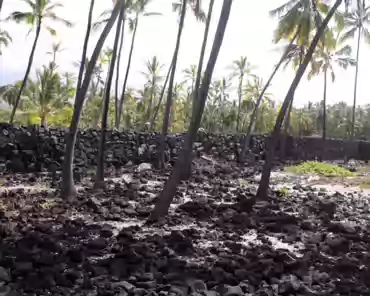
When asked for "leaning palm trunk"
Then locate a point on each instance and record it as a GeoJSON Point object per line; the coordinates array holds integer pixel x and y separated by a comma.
{"type": "Point", "coordinates": [152, 121]}
{"type": "Point", "coordinates": [169, 191]}
{"type": "Point", "coordinates": [28, 70]}
{"type": "Point", "coordinates": [252, 121]}
{"type": "Point", "coordinates": [86, 43]}
{"type": "Point", "coordinates": [116, 104]}
{"type": "Point", "coordinates": [266, 172]}
{"type": "Point", "coordinates": [166, 119]}
{"type": "Point", "coordinates": [121, 101]}
{"type": "Point", "coordinates": [355, 90]}
{"type": "Point", "coordinates": [68, 188]}
{"type": "Point", "coordinates": [99, 178]}
{"type": "Point", "coordinates": [187, 168]}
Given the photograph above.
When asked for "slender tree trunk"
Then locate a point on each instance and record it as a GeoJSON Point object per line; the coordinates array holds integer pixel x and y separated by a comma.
{"type": "Point", "coordinates": [150, 105]}
{"type": "Point", "coordinates": [252, 121]}
{"type": "Point", "coordinates": [116, 104]}
{"type": "Point", "coordinates": [68, 188]}
{"type": "Point", "coordinates": [43, 121]}
{"type": "Point", "coordinates": [324, 107]}
{"type": "Point", "coordinates": [119, 115]}
{"type": "Point", "coordinates": [1, 4]}
{"type": "Point", "coordinates": [167, 111]}
{"type": "Point", "coordinates": [28, 70]}
{"type": "Point", "coordinates": [286, 131]}
{"type": "Point", "coordinates": [99, 178]}
{"type": "Point", "coordinates": [152, 121]}
{"type": "Point", "coordinates": [239, 102]}
{"type": "Point", "coordinates": [169, 191]}
{"type": "Point", "coordinates": [86, 43]}
{"type": "Point", "coordinates": [186, 172]}
{"type": "Point", "coordinates": [266, 172]}
{"type": "Point", "coordinates": [355, 88]}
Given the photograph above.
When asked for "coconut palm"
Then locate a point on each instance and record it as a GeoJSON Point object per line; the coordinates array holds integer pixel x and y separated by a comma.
{"type": "Point", "coordinates": [5, 39]}
{"type": "Point", "coordinates": [68, 188]}
{"type": "Point", "coordinates": [55, 49]}
{"type": "Point", "coordinates": [169, 190]}
{"type": "Point", "coordinates": [48, 94]}
{"type": "Point", "coordinates": [181, 8]}
{"type": "Point", "coordinates": [241, 68]}
{"type": "Point", "coordinates": [153, 77]}
{"type": "Point", "coordinates": [326, 56]}
{"type": "Point", "coordinates": [138, 8]}
{"type": "Point", "coordinates": [40, 11]}
{"type": "Point", "coordinates": [357, 22]}
{"type": "Point", "coordinates": [266, 172]}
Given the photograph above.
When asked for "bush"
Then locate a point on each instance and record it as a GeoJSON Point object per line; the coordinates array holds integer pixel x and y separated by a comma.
{"type": "Point", "coordinates": [319, 168]}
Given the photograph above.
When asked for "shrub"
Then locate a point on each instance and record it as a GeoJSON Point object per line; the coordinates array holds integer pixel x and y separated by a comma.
{"type": "Point", "coordinates": [319, 168]}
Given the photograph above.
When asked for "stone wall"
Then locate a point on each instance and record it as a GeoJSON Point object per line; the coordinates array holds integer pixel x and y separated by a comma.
{"type": "Point", "coordinates": [36, 149]}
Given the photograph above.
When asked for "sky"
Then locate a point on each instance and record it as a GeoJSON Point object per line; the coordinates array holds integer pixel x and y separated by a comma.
{"type": "Point", "coordinates": [249, 33]}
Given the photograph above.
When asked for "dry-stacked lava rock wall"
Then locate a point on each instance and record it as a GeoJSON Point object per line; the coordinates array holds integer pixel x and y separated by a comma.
{"type": "Point", "coordinates": [29, 148]}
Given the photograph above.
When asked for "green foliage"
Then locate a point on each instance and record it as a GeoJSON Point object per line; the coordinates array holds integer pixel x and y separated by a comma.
{"type": "Point", "coordinates": [319, 168]}
{"type": "Point", "coordinates": [283, 192]}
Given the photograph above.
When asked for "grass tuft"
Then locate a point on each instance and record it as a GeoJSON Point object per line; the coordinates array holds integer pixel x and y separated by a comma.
{"type": "Point", "coordinates": [319, 168]}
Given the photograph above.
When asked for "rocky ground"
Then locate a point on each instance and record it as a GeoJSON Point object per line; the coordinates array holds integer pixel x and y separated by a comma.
{"type": "Point", "coordinates": [303, 241]}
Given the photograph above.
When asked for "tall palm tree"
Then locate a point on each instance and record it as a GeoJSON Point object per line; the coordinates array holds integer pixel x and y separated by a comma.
{"type": "Point", "coordinates": [48, 94]}
{"type": "Point", "coordinates": [169, 190]}
{"type": "Point", "coordinates": [139, 10]}
{"type": "Point", "coordinates": [40, 12]}
{"type": "Point", "coordinates": [357, 22]}
{"type": "Point", "coordinates": [266, 172]}
{"type": "Point", "coordinates": [323, 61]}
{"type": "Point", "coordinates": [241, 69]}
{"type": "Point", "coordinates": [5, 39]}
{"type": "Point", "coordinates": [55, 49]}
{"type": "Point", "coordinates": [153, 77]}
{"type": "Point", "coordinates": [99, 178]}
{"type": "Point", "coordinates": [68, 188]}
{"type": "Point", "coordinates": [180, 7]}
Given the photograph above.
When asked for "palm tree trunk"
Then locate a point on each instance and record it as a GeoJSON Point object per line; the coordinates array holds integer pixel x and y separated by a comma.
{"type": "Point", "coordinates": [119, 115]}
{"type": "Point", "coordinates": [1, 4]}
{"type": "Point", "coordinates": [355, 89]}
{"type": "Point", "coordinates": [324, 107]}
{"type": "Point", "coordinates": [251, 126]}
{"type": "Point", "coordinates": [86, 43]}
{"type": "Point", "coordinates": [169, 191]}
{"type": "Point", "coordinates": [239, 102]}
{"type": "Point", "coordinates": [266, 172]}
{"type": "Point", "coordinates": [116, 108]}
{"type": "Point", "coordinates": [68, 188]}
{"type": "Point", "coordinates": [99, 178]}
{"type": "Point", "coordinates": [28, 70]}
{"type": "Point", "coordinates": [187, 168]}
{"type": "Point", "coordinates": [152, 121]}
{"type": "Point", "coordinates": [167, 111]}
{"type": "Point", "coordinates": [286, 131]}
{"type": "Point", "coordinates": [150, 105]}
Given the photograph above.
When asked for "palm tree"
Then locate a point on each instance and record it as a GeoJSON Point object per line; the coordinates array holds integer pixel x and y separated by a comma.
{"type": "Point", "coordinates": [169, 190]}
{"type": "Point", "coordinates": [356, 21]}
{"type": "Point", "coordinates": [241, 69]}
{"type": "Point", "coordinates": [153, 77]}
{"type": "Point", "coordinates": [266, 172]}
{"type": "Point", "coordinates": [323, 61]}
{"type": "Point", "coordinates": [55, 49]}
{"type": "Point", "coordinates": [139, 9]}
{"type": "Point", "coordinates": [99, 178]}
{"type": "Point", "coordinates": [48, 94]}
{"type": "Point", "coordinates": [68, 188]}
{"type": "Point", "coordinates": [5, 39]}
{"type": "Point", "coordinates": [40, 12]}
{"type": "Point", "coordinates": [181, 7]}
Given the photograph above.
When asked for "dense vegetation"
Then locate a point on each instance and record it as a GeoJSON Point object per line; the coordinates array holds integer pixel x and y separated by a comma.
{"type": "Point", "coordinates": [319, 36]}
